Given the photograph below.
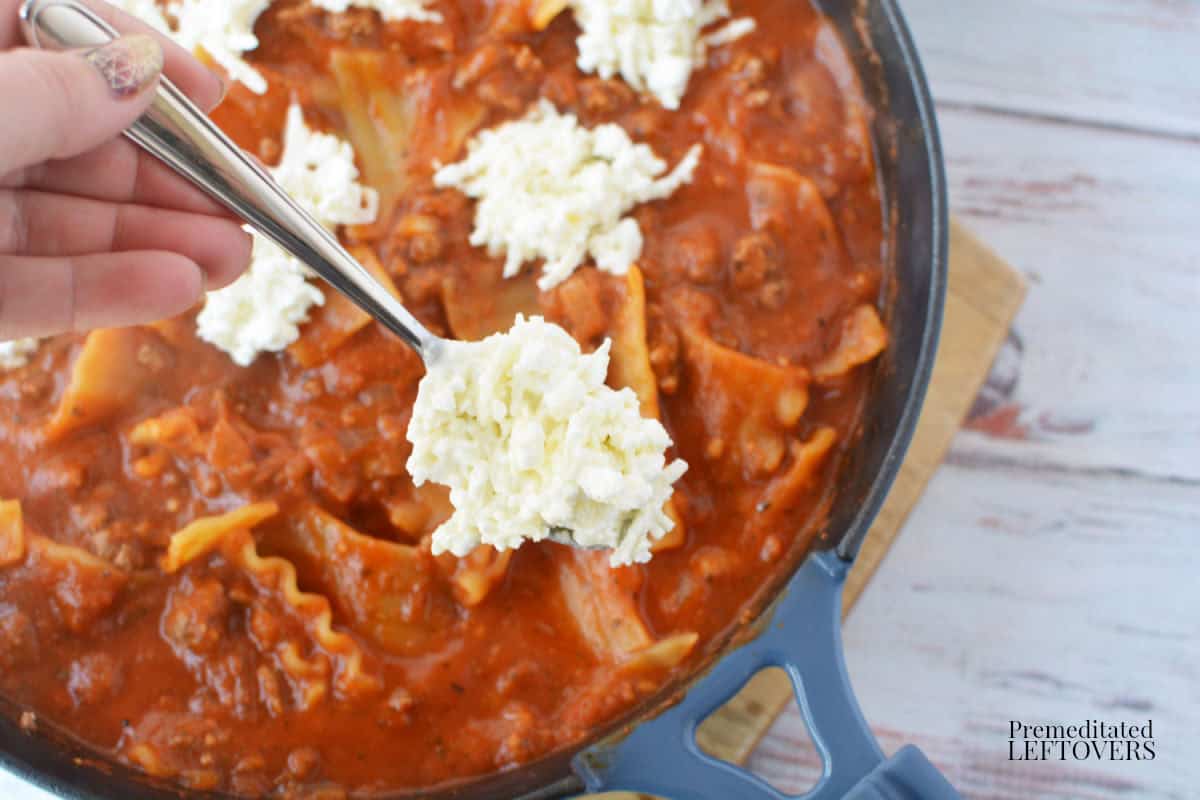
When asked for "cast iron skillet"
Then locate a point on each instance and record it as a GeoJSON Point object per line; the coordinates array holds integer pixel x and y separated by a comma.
{"type": "Point", "coordinates": [654, 749]}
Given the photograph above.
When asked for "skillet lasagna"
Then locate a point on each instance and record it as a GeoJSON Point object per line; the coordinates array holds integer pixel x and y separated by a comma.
{"type": "Point", "coordinates": [214, 563]}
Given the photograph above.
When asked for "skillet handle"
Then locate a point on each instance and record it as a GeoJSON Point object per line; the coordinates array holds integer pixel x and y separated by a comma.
{"type": "Point", "coordinates": [661, 756]}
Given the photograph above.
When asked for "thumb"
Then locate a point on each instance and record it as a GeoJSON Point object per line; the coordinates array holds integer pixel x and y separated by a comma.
{"type": "Point", "coordinates": [58, 105]}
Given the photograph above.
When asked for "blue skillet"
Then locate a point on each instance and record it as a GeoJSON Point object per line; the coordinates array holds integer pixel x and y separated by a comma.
{"type": "Point", "coordinates": [655, 750]}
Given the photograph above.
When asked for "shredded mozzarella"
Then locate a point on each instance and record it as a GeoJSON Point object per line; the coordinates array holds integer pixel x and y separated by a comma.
{"type": "Point", "coordinates": [531, 442]}
{"type": "Point", "coordinates": [15, 354]}
{"type": "Point", "coordinates": [654, 45]}
{"type": "Point", "coordinates": [549, 188]}
{"type": "Point", "coordinates": [318, 171]}
{"type": "Point", "coordinates": [224, 29]}
{"type": "Point", "coordinates": [263, 309]}
{"type": "Point", "coordinates": [388, 9]}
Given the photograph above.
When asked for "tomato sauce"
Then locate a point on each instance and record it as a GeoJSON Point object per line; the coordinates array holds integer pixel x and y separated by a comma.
{"type": "Point", "coordinates": [324, 650]}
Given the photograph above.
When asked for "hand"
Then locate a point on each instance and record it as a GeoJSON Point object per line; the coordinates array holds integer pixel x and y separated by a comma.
{"type": "Point", "coordinates": [94, 232]}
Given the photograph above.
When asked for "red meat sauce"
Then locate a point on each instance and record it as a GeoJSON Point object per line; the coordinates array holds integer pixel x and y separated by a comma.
{"type": "Point", "coordinates": [748, 327]}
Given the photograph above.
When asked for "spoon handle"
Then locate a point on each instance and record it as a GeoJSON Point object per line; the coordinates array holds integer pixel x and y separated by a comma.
{"type": "Point", "coordinates": [180, 135]}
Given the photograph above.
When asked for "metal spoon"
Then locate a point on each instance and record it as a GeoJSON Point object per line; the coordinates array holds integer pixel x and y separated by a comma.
{"type": "Point", "coordinates": [180, 135]}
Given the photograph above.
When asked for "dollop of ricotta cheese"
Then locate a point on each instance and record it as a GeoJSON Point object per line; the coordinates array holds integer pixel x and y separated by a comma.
{"type": "Point", "coordinates": [532, 442]}
{"type": "Point", "coordinates": [224, 29]}
{"type": "Point", "coordinates": [15, 354]}
{"type": "Point", "coordinates": [263, 309]}
{"type": "Point", "coordinates": [654, 45]}
{"type": "Point", "coordinates": [549, 188]}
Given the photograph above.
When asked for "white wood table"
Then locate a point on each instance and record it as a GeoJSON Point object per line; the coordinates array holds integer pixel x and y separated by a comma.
{"type": "Point", "coordinates": [1052, 571]}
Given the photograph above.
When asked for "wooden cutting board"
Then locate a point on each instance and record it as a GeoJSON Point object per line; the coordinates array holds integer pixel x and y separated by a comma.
{"type": "Point", "coordinates": [983, 296]}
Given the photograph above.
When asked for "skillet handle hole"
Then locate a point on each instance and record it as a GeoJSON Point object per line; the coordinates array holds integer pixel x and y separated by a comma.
{"type": "Point", "coordinates": [732, 732]}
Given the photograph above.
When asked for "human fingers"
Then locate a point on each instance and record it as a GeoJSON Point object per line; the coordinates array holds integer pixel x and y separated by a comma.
{"type": "Point", "coordinates": [66, 103]}
{"type": "Point", "coordinates": [120, 172]}
{"type": "Point", "coordinates": [201, 84]}
{"type": "Point", "coordinates": [197, 81]}
{"type": "Point", "coordinates": [45, 296]}
{"type": "Point", "coordinates": [44, 224]}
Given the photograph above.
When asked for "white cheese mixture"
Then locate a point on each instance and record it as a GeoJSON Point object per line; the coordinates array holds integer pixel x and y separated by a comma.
{"type": "Point", "coordinates": [15, 354]}
{"type": "Point", "coordinates": [262, 310]}
{"type": "Point", "coordinates": [530, 440]}
{"type": "Point", "coordinates": [388, 9]}
{"type": "Point", "coordinates": [224, 29]}
{"type": "Point", "coordinates": [549, 188]}
{"type": "Point", "coordinates": [654, 45]}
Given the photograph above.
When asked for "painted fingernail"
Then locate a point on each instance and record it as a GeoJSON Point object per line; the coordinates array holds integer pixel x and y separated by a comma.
{"type": "Point", "coordinates": [128, 64]}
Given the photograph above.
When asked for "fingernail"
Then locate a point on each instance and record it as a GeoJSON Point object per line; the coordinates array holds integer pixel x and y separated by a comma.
{"type": "Point", "coordinates": [128, 64]}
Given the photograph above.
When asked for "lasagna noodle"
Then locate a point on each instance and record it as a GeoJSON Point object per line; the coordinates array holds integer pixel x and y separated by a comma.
{"type": "Point", "coordinates": [383, 115]}
{"type": "Point", "coordinates": [339, 319]}
{"type": "Point", "coordinates": [112, 370]}
{"type": "Point", "coordinates": [206, 534]}
{"type": "Point", "coordinates": [785, 202]}
{"type": "Point", "coordinates": [83, 586]}
{"type": "Point", "coordinates": [750, 401]}
{"type": "Point", "coordinates": [12, 533]}
{"type": "Point", "coordinates": [784, 492]}
{"type": "Point", "coordinates": [229, 534]}
{"type": "Point", "coordinates": [278, 574]}
{"type": "Point", "coordinates": [208, 440]}
{"type": "Point", "coordinates": [543, 12]}
{"type": "Point", "coordinates": [477, 574]}
{"type": "Point", "coordinates": [603, 602]}
{"type": "Point", "coordinates": [177, 430]}
{"type": "Point", "coordinates": [664, 655]}
{"type": "Point", "coordinates": [386, 591]}
{"type": "Point", "coordinates": [630, 367]}
{"type": "Point", "coordinates": [485, 302]}
{"type": "Point", "coordinates": [379, 119]}
{"type": "Point", "coordinates": [861, 339]}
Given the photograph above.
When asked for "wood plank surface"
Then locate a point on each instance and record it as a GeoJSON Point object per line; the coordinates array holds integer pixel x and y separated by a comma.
{"type": "Point", "coordinates": [1127, 64]}
{"type": "Point", "coordinates": [1105, 226]}
{"type": "Point", "coordinates": [1045, 597]}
